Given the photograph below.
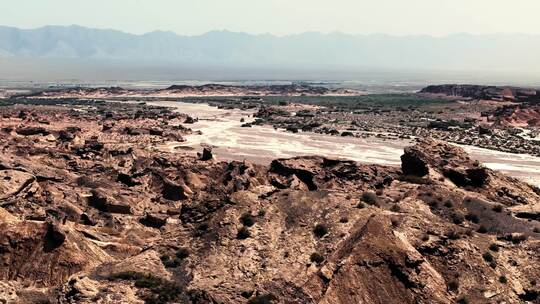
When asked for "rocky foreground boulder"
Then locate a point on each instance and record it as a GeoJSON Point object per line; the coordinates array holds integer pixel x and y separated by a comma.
{"type": "Point", "coordinates": [154, 227]}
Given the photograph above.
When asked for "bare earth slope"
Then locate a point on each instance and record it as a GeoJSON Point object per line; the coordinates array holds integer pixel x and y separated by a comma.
{"type": "Point", "coordinates": [90, 212]}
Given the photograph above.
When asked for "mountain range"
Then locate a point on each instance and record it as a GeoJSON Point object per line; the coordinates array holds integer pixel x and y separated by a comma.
{"type": "Point", "coordinates": [222, 48]}
{"type": "Point", "coordinates": [514, 53]}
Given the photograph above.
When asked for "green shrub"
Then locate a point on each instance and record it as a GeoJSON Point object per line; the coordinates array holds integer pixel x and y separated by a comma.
{"type": "Point", "coordinates": [503, 279]}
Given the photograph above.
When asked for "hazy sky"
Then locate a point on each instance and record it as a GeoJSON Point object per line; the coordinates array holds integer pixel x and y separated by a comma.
{"type": "Point", "coordinates": [401, 17]}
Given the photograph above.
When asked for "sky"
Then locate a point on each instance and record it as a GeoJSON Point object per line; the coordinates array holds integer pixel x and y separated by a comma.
{"type": "Point", "coordinates": [281, 17]}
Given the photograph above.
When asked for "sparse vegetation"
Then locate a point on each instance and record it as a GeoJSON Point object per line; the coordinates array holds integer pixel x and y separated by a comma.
{"type": "Point", "coordinates": [494, 247]}
{"type": "Point", "coordinates": [316, 258]}
{"type": "Point", "coordinates": [247, 219]}
{"type": "Point", "coordinates": [263, 299]}
{"type": "Point", "coordinates": [453, 285]}
{"type": "Point", "coordinates": [412, 179]}
{"type": "Point", "coordinates": [320, 230]}
{"type": "Point", "coordinates": [159, 291]}
{"type": "Point", "coordinates": [482, 229]}
{"type": "Point", "coordinates": [497, 208]}
{"type": "Point", "coordinates": [370, 198]}
{"type": "Point", "coordinates": [243, 233]}
{"type": "Point", "coordinates": [488, 257]}
{"type": "Point", "coordinates": [182, 253]}
{"type": "Point", "coordinates": [472, 218]}
{"type": "Point", "coordinates": [503, 280]}
{"type": "Point", "coordinates": [453, 235]}
{"type": "Point", "coordinates": [395, 208]}
{"type": "Point", "coordinates": [457, 218]}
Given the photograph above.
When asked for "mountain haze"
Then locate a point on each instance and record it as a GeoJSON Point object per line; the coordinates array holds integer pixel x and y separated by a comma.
{"type": "Point", "coordinates": [223, 49]}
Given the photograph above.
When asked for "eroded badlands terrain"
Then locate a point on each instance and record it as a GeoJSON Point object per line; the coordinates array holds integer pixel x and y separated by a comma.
{"type": "Point", "coordinates": [92, 212]}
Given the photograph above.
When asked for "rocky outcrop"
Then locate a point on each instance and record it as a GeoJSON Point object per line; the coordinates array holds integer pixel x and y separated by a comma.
{"type": "Point", "coordinates": [139, 225]}
{"type": "Point", "coordinates": [485, 92]}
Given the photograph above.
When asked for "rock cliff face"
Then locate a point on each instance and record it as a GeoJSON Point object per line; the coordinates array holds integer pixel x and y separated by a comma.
{"type": "Point", "coordinates": [102, 217]}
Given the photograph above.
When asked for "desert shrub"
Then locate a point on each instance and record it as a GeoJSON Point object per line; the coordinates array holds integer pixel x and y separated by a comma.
{"type": "Point", "coordinates": [482, 229]}
{"type": "Point", "coordinates": [425, 237]}
{"type": "Point", "coordinates": [413, 179]}
{"type": "Point", "coordinates": [536, 230]}
{"type": "Point", "coordinates": [453, 285]}
{"type": "Point", "coordinates": [472, 218]}
{"type": "Point", "coordinates": [457, 218]}
{"type": "Point", "coordinates": [370, 197]}
{"type": "Point", "coordinates": [503, 279]}
{"type": "Point", "coordinates": [263, 299]}
{"type": "Point", "coordinates": [453, 235]}
{"type": "Point", "coordinates": [395, 208]}
{"type": "Point", "coordinates": [488, 257]}
{"type": "Point", "coordinates": [261, 213]}
{"type": "Point", "coordinates": [247, 219]}
{"type": "Point", "coordinates": [395, 222]}
{"type": "Point", "coordinates": [516, 239]}
{"type": "Point", "coordinates": [448, 204]}
{"type": "Point", "coordinates": [497, 208]}
{"type": "Point", "coordinates": [160, 290]}
{"type": "Point", "coordinates": [316, 258]}
{"type": "Point", "coordinates": [182, 253]}
{"type": "Point", "coordinates": [344, 220]}
{"type": "Point", "coordinates": [243, 233]}
{"type": "Point", "coordinates": [360, 205]}
{"type": "Point", "coordinates": [320, 230]}
{"type": "Point", "coordinates": [463, 300]}
{"type": "Point", "coordinates": [494, 247]}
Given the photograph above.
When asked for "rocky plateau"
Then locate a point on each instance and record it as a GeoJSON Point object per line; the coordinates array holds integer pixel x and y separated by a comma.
{"type": "Point", "coordinates": [92, 212]}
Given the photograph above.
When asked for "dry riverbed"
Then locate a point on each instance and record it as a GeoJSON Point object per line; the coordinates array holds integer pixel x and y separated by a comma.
{"type": "Point", "coordinates": [222, 130]}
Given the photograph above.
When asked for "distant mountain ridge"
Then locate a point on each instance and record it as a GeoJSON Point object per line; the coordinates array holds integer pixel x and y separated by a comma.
{"type": "Point", "coordinates": [223, 48]}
